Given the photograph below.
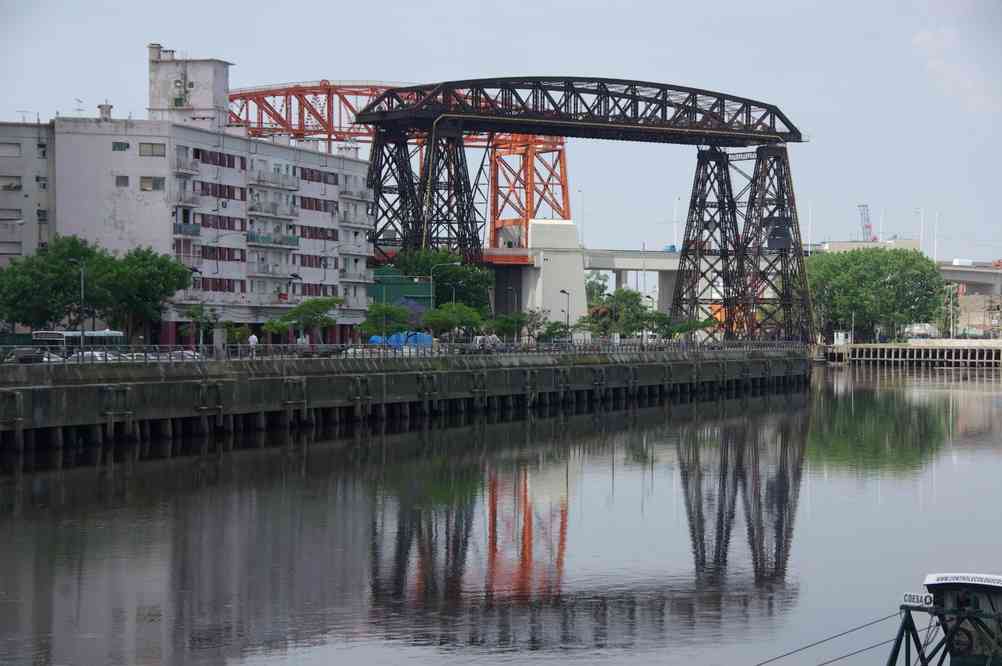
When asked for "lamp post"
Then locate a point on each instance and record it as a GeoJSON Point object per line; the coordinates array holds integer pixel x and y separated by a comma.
{"type": "Point", "coordinates": [454, 284]}
{"type": "Point", "coordinates": [77, 262]}
{"type": "Point", "coordinates": [293, 277]}
{"type": "Point", "coordinates": [567, 312]}
{"type": "Point", "coordinates": [431, 274]}
{"type": "Point", "coordinates": [643, 334]}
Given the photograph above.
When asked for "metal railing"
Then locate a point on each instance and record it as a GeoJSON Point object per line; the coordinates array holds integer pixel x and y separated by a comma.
{"type": "Point", "coordinates": [233, 352]}
{"type": "Point", "coordinates": [273, 209]}
{"type": "Point", "coordinates": [187, 199]}
{"type": "Point", "coordinates": [272, 270]}
{"type": "Point", "coordinates": [285, 240]}
{"type": "Point", "coordinates": [355, 276]}
{"type": "Point", "coordinates": [186, 166]}
{"type": "Point", "coordinates": [272, 179]}
{"type": "Point", "coordinates": [185, 229]}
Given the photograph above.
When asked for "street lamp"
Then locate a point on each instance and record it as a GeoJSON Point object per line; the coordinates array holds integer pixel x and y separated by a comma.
{"type": "Point", "coordinates": [454, 290]}
{"type": "Point", "coordinates": [567, 312]}
{"type": "Point", "coordinates": [643, 334]}
{"type": "Point", "coordinates": [77, 262]}
{"type": "Point", "coordinates": [431, 274]}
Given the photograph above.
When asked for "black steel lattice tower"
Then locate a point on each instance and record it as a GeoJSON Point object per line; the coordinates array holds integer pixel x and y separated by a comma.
{"type": "Point", "coordinates": [450, 219]}
{"type": "Point", "coordinates": [396, 207]}
{"type": "Point", "coordinates": [710, 274]}
{"type": "Point", "coordinates": [777, 302]}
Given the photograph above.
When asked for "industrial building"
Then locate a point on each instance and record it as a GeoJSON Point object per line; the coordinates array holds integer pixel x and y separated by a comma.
{"type": "Point", "coordinates": [261, 223]}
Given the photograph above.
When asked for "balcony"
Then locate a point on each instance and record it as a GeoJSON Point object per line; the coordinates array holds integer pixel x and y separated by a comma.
{"type": "Point", "coordinates": [362, 195]}
{"type": "Point", "coordinates": [355, 276]}
{"type": "Point", "coordinates": [186, 167]}
{"type": "Point", "coordinates": [276, 180]}
{"type": "Point", "coordinates": [187, 199]}
{"type": "Point", "coordinates": [357, 249]}
{"type": "Point", "coordinates": [272, 209]}
{"type": "Point", "coordinates": [272, 240]}
{"type": "Point", "coordinates": [356, 220]}
{"type": "Point", "coordinates": [356, 302]}
{"type": "Point", "coordinates": [277, 271]}
{"type": "Point", "coordinates": [183, 229]}
{"type": "Point", "coordinates": [190, 260]}
{"type": "Point", "coordinates": [283, 298]}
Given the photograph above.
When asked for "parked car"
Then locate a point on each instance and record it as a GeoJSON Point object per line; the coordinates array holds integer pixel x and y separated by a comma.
{"type": "Point", "coordinates": [99, 356]}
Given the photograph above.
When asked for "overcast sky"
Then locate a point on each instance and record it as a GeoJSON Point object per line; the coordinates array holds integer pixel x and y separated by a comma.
{"type": "Point", "coordinates": [901, 100]}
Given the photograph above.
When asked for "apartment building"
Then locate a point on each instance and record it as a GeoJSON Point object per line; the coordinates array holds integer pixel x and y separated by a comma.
{"type": "Point", "coordinates": [26, 202]}
{"type": "Point", "coordinates": [261, 224]}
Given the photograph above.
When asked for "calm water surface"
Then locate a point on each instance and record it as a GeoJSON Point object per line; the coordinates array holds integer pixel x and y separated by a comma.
{"type": "Point", "coordinates": [719, 533]}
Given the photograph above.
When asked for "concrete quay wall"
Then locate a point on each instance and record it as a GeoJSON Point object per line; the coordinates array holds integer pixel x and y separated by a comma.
{"type": "Point", "coordinates": [55, 402]}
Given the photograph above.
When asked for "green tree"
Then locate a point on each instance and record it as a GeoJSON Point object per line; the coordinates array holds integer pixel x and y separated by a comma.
{"type": "Point", "coordinates": [237, 334]}
{"type": "Point", "coordinates": [555, 330]}
{"type": "Point", "coordinates": [452, 316]}
{"type": "Point", "coordinates": [310, 315]}
{"type": "Point", "coordinates": [140, 284]}
{"type": "Point", "coordinates": [385, 319]}
{"type": "Point", "coordinates": [623, 311]}
{"type": "Point", "coordinates": [509, 325]}
{"type": "Point", "coordinates": [874, 288]}
{"type": "Point", "coordinates": [535, 321]}
{"type": "Point", "coordinates": [42, 290]}
{"type": "Point", "coordinates": [202, 318]}
{"type": "Point", "coordinates": [596, 286]}
{"type": "Point", "coordinates": [470, 284]}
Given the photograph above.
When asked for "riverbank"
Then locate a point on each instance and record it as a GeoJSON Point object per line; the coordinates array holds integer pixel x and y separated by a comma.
{"type": "Point", "coordinates": [55, 404]}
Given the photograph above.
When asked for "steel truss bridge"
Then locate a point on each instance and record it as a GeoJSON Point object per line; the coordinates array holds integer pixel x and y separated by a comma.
{"type": "Point", "coordinates": [749, 281]}
{"type": "Point", "coordinates": [524, 175]}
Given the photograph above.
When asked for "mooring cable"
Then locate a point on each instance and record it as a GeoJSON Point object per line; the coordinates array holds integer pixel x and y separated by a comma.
{"type": "Point", "coordinates": [830, 638]}
{"type": "Point", "coordinates": [861, 650]}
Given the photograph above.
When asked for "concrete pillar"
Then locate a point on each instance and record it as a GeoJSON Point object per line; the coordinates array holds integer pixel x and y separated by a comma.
{"type": "Point", "coordinates": [666, 289]}
{"type": "Point", "coordinates": [622, 282]}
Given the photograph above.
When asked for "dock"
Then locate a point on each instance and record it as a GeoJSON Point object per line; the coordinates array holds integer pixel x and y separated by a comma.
{"type": "Point", "coordinates": [921, 353]}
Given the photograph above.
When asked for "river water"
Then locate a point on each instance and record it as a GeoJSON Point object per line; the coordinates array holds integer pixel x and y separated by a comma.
{"type": "Point", "coordinates": [713, 533]}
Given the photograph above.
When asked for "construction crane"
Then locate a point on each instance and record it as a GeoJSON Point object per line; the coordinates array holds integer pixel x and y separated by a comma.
{"type": "Point", "coordinates": [864, 222]}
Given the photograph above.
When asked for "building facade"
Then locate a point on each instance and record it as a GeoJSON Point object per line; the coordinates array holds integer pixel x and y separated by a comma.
{"type": "Point", "coordinates": [261, 224]}
{"type": "Point", "coordinates": [26, 201]}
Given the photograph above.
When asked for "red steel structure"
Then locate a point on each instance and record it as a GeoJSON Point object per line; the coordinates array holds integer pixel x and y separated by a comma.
{"type": "Point", "coordinates": [527, 173]}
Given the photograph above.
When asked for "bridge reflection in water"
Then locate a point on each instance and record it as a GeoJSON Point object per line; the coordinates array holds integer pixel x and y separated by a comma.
{"type": "Point", "coordinates": [487, 566]}
{"type": "Point", "coordinates": [611, 530]}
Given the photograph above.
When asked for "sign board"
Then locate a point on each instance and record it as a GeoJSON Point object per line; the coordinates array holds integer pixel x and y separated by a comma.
{"type": "Point", "coordinates": [921, 599]}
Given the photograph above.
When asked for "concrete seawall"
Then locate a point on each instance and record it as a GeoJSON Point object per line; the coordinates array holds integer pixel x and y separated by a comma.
{"type": "Point", "coordinates": [51, 404]}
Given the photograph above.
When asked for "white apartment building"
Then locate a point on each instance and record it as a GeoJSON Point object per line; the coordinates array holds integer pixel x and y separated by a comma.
{"type": "Point", "coordinates": [261, 224]}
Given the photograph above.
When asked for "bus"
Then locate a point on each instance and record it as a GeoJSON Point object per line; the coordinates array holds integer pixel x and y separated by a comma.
{"type": "Point", "coordinates": [61, 341]}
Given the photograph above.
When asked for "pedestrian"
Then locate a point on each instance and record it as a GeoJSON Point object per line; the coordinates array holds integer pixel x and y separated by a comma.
{"type": "Point", "coordinates": [252, 342]}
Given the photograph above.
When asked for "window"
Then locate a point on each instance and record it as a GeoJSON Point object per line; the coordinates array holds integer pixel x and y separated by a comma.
{"type": "Point", "coordinates": [8, 214]}
{"type": "Point", "coordinates": [42, 214]}
{"type": "Point", "coordinates": [10, 183]}
{"type": "Point", "coordinates": [43, 150]}
{"type": "Point", "coordinates": [121, 181]}
{"type": "Point", "coordinates": [121, 146]}
{"type": "Point", "coordinates": [152, 150]}
{"type": "Point", "coordinates": [151, 184]}
{"type": "Point", "coordinates": [10, 150]}
{"type": "Point", "coordinates": [42, 182]}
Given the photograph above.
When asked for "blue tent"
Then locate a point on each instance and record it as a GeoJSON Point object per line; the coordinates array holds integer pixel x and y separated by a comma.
{"type": "Point", "coordinates": [405, 339]}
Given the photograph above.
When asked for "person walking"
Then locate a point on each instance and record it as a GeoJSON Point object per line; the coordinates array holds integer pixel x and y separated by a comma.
{"type": "Point", "coordinates": [252, 343]}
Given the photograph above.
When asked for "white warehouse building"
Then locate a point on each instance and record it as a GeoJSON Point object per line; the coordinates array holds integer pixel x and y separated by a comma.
{"type": "Point", "coordinates": [262, 224]}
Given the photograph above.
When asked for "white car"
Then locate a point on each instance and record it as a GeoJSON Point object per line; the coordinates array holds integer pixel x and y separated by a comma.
{"type": "Point", "coordinates": [95, 357]}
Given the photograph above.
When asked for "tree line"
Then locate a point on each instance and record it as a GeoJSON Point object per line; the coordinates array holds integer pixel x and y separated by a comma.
{"type": "Point", "coordinates": [129, 292]}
